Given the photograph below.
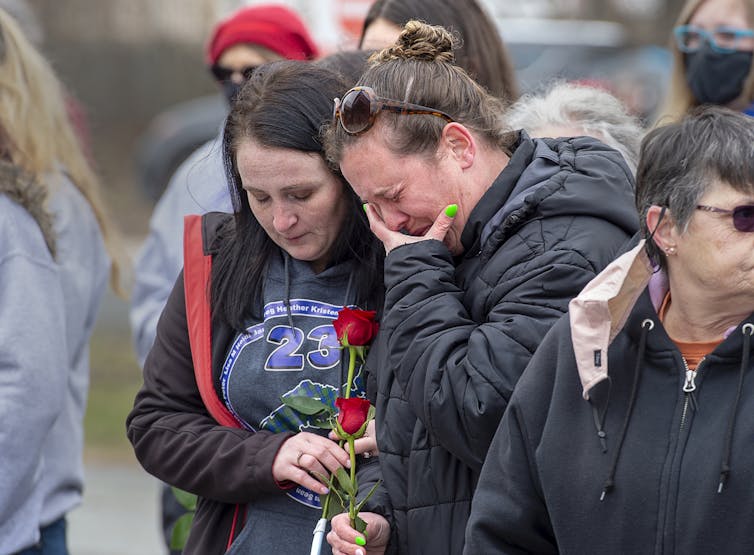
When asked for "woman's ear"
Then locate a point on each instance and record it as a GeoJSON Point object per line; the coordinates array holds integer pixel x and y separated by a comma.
{"type": "Point", "coordinates": [457, 142]}
{"type": "Point", "coordinates": [662, 228]}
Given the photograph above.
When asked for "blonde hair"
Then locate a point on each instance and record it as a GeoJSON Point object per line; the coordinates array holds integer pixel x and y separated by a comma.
{"type": "Point", "coordinates": [36, 133]}
{"type": "Point", "coordinates": [679, 99]}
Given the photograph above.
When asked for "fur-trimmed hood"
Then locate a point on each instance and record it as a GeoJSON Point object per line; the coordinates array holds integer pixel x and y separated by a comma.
{"type": "Point", "coordinates": [23, 189]}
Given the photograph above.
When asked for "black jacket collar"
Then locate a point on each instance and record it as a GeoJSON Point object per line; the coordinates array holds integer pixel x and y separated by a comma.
{"type": "Point", "coordinates": [497, 195]}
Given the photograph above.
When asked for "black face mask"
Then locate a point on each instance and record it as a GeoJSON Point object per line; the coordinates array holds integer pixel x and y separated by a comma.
{"type": "Point", "coordinates": [716, 78]}
{"type": "Point", "coordinates": [231, 90]}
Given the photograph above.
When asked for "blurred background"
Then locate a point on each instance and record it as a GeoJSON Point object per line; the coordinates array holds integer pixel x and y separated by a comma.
{"type": "Point", "coordinates": [136, 69]}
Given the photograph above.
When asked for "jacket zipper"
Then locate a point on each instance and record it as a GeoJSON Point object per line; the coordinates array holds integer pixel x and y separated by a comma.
{"type": "Point", "coordinates": [689, 387]}
{"type": "Point", "coordinates": [688, 390]}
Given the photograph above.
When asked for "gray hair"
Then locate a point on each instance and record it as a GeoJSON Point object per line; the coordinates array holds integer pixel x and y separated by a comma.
{"type": "Point", "coordinates": [680, 161]}
{"type": "Point", "coordinates": [583, 110]}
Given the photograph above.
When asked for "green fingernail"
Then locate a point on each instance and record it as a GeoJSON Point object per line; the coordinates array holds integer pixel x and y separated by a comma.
{"type": "Point", "coordinates": [451, 210]}
{"type": "Point", "coordinates": [364, 206]}
{"type": "Point", "coordinates": [360, 541]}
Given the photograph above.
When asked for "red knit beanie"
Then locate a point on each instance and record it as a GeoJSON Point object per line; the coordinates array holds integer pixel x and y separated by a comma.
{"type": "Point", "coordinates": [272, 26]}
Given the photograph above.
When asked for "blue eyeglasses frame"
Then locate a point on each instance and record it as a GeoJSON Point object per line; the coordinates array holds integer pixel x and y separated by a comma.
{"type": "Point", "coordinates": [681, 31]}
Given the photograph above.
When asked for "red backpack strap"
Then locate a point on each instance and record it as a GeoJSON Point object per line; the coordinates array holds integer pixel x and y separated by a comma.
{"type": "Point", "coordinates": [197, 270]}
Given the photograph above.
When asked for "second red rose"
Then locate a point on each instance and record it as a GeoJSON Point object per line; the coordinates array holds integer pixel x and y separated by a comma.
{"type": "Point", "coordinates": [355, 327]}
{"type": "Point", "coordinates": [353, 413]}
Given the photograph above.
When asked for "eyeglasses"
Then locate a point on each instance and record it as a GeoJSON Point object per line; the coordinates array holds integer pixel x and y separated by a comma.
{"type": "Point", "coordinates": [359, 108]}
{"type": "Point", "coordinates": [743, 216]}
{"type": "Point", "coordinates": [225, 73]}
{"type": "Point", "coordinates": [724, 40]}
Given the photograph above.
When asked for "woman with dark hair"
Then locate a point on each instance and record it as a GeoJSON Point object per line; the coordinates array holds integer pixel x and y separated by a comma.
{"type": "Point", "coordinates": [481, 53]}
{"type": "Point", "coordinates": [250, 322]}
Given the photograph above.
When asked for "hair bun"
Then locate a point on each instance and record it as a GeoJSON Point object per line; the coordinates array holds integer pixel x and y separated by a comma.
{"type": "Point", "coordinates": [420, 41]}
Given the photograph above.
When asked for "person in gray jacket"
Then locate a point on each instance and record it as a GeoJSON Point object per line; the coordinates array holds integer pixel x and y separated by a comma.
{"type": "Point", "coordinates": [54, 265]}
{"type": "Point", "coordinates": [489, 234]}
{"type": "Point", "coordinates": [630, 430]}
{"type": "Point", "coordinates": [248, 38]}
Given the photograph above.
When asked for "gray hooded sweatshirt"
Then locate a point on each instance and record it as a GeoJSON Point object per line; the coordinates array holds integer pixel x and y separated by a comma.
{"type": "Point", "coordinates": [47, 312]}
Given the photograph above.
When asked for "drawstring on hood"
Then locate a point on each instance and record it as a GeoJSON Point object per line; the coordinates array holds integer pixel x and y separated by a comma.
{"type": "Point", "coordinates": [287, 302]}
{"type": "Point", "coordinates": [599, 423]}
{"type": "Point", "coordinates": [287, 298]}
{"type": "Point", "coordinates": [646, 326]}
{"type": "Point", "coordinates": [599, 313]}
{"type": "Point", "coordinates": [747, 330]}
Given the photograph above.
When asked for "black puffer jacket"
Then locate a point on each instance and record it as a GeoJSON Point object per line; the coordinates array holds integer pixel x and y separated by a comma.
{"type": "Point", "coordinates": [457, 333]}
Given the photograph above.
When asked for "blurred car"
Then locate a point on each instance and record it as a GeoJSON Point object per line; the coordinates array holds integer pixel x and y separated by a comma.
{"type": "Point", "coordinates": [543, 50]}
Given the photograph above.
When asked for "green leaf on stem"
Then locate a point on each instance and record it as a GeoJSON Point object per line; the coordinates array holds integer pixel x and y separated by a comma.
{"type": "Point", "coordinates": [186, 499]}
{"type": "Point", "coordinates": [323, 423]}
{"type": "Point", "coordinates": [336, 505]}
{"type": "Point", "coordinates": [305, 405]}
{"type": "Point", "coordinates": [368, 495]}
{"type": "Point", "coordinates": [359, 525]}
{"type": "Point", "coordinates": [181, 530]}
{"type": "Point", "coordinates": [345, 481]}
{"type": "Point", "coordinates": [360, 432]}
{"type": "Point", "coordinates": [321, 477]}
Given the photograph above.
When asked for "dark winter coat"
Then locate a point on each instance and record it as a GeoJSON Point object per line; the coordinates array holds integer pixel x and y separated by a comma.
{"type": "Point", "coordinates": [602, 451]}
{"type": "Point", "coordinates": [457, 333]}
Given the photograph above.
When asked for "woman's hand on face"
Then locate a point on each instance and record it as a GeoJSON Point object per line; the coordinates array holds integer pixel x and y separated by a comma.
{"type": "Point", "coordinates": [342, 538]}
{"type": "Point", "coordinates": [392, 239]}
{"type": "Point", "coordinates": [366, 445]}
{"type": "Point", "coordinates": [306, 456]}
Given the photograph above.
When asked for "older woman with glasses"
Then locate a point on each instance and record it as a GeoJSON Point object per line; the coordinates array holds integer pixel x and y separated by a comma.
{"type": "Point", "coordinates": [629, 431]}
{"type": "Point", "coordinates": [489, 234]}
{"type": "Point", "coordinates": [712, 55]}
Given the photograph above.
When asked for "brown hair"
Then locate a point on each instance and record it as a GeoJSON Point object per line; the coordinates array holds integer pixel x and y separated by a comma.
{"type": "Point", "coordinates": [419, 69]}
{"type": "Point", "coordinates": [481, 51]}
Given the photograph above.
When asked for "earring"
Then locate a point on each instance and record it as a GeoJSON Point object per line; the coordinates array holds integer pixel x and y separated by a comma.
{"type": "Point", "coordinates": [670, 251]}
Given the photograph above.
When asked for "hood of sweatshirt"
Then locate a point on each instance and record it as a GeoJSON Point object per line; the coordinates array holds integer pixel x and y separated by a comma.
{"type": "Point", "coordinates": [600, 311]}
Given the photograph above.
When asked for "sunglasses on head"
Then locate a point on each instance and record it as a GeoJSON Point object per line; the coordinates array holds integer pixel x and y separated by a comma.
{"type": "Point", "coordinates": [743, 216]}
{"type": "Point", "coordinates": [225, 73]}
{"type": "Point", "coordinates": [359, 107]}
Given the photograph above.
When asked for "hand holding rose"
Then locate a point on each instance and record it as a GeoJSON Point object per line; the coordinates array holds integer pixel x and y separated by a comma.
{"type": "Point", "coordinates": [342, 537]}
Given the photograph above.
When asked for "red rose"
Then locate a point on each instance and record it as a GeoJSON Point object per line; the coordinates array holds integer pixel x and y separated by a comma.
{"type": "Point", "coordinates": [353, 413]}
{"type": "Point", "coordinates": [355, 327]}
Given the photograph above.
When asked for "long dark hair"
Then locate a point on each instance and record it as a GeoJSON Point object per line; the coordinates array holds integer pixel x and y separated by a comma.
{"type": "Point", "coordinates": [284, 105]}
